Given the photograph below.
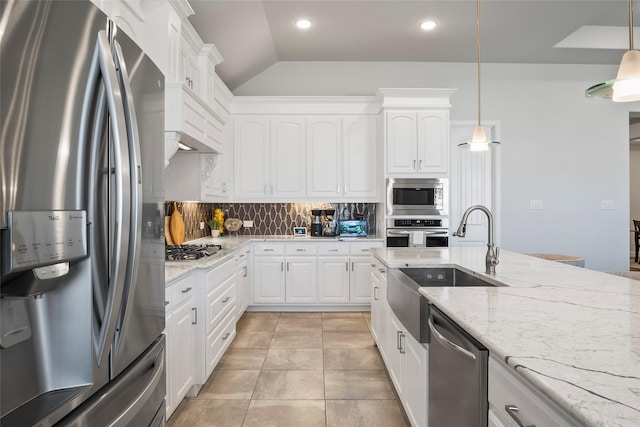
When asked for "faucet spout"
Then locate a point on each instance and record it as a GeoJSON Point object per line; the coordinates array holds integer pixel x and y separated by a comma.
{"type": "Point", "coordinates": [491, 259]}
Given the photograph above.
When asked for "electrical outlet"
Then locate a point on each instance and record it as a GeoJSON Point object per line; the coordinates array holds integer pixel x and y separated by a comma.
{"type": "Point", "coordinates": [201, 225]}
{"type": "Point", "coordinates": [536, 204]}
{"type": "Point", "coordinates": [607, 204]}
{"type": "Point", "coordinates": [247, 223]}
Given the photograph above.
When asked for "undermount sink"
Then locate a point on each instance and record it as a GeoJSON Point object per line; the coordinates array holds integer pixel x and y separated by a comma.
{"type": "Point", "coordinates": [438, 277]}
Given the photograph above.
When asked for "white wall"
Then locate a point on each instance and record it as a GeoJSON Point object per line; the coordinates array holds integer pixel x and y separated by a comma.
{"type": "Point", "coordinates": [557, 146]}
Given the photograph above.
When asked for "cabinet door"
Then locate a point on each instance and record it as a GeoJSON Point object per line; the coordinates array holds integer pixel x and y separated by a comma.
{"type": "Point", "coordinates": [360, 280]}
{"type": "Point", "coordinates": [414, 379]}
{"type": "Point", "coordinates": [174, 24]}
{"type": "Point", "coordinates": [189, 49]}
{"type": "Point", "coordinates": [394, 358]}
{"type": "Point", "coordinates": [182, 341]}
{"type": "Point", "coordinates": [433, 142]}
{"type": "Point", "coordinates": [360, 148]}
{"type": "Point", "coordinates": [301, 281]}
{"type": "Point", "coordinates": [243, 283]}
{"type": "Point", "coordinates": [324, 144]}
{"type": "Point", "coordinates": [288, 156]}
{"type": "Point", "coordinates": [401, 142]}
{"type": "Point", "coordinates": [251, 158]}
{"type": "Point", "coordinates": [268, 282]}
{"type": "Point", "coordinates": [333, 279]}
{"type": "Point", "coordinates": [169, 364]}
{"type": "Point", "coordinates": [375, 308]}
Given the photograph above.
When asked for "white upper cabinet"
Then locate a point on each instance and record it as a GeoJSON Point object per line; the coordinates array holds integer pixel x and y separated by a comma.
{"type": "Point", "coordinates": [128, 16]}
{"type": "Point", "coordinates": [287, 157]}
{"type": "Point", "coordinates": [433, 142]}
{"type": "Point", "coordinates": [320, 149]}
{"type": "Point", "coordinates": [251, 158]}
{"type": "Point", "coordinates": [324, 161]}
{"type": "Point", "coordinates": [360, 159]}
{"type": "Point", "coordinates": [401, 141]}
{"type": "Point", "coordinates": [416, 131]}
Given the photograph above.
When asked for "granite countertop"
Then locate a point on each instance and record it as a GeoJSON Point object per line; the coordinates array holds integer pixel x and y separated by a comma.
{"type": "Point", "coordinates": [174, 270]}
{"type": "Point", "coordinates": [573, 333]}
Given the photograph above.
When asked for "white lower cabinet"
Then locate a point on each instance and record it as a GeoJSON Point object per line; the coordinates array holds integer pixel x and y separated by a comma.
{"type": "Point", "coordinates": [243, 281]}
{"type": "Point", "coordinates": [219, 339]}
{"type": "Point", "coordinates": [333, 278]}
{"type": "Point", "coordinates": [180, 340]}
{"type": "Point", "coordinates": [301, 283]}
{"type": "Point", "coordinates": [379, 307]}
{"type": "Point", "coordinates": [514, 402]}
{"type": "Point", "coordinates": [304, 273]}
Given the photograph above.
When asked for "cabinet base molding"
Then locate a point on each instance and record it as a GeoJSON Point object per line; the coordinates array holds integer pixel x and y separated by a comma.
{"type": "Point", "coordinates": [310, 308]}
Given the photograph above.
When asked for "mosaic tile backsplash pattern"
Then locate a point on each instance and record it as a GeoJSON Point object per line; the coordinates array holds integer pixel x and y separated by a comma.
{"type": "Point", "coordinates": [268, 218]}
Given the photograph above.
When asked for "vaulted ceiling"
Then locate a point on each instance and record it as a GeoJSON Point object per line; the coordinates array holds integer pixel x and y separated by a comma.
{"type": "Point", "coordinates": [253, 35]}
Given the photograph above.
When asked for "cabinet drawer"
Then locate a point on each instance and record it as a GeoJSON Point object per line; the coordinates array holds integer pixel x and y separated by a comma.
{"type": "Point", "coordinates": [333, 249]}
{"type": "Point", "coordinates": [219, 275]}
{"type": "Point", "coordinates": [364, 248]}
{"type": "Point", "coordinates": [268, 249]}
{"type": "Point", "coordinates": [301, 249]}
{"type": "Point", "coordinates": [219, 302]}
{"type": "Point", "coordinates": [218, 341]}
{"type": "Point", "coordinates": [180, 291]}
{"type": "Point", "coordinates": [507, 389]}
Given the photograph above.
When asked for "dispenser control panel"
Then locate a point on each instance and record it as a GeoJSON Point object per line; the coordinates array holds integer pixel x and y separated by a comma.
{"type": "Point", "coordinates": [37, 238]}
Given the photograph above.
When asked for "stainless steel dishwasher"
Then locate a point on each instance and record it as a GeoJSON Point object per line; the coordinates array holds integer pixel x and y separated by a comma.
{"type": "Point", "coordinates": [457, 375]}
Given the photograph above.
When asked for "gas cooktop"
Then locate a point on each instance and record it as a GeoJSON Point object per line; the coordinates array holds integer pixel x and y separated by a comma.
{"type": "Point", "coordinates": [190, 252]}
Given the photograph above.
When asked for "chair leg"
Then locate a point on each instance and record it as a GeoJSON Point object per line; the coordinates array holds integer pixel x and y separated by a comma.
{"type": "Point", "coordinates": [637, 247]}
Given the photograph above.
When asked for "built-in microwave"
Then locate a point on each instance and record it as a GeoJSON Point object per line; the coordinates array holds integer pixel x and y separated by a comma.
{"type": "Point", "coordinates": [417, 196]}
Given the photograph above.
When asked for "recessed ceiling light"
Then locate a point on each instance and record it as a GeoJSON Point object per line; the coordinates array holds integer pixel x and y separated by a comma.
{"type": "Point", "coordinates": [303, 23]}
{"type": "Point", "coordinates": [428, 25]}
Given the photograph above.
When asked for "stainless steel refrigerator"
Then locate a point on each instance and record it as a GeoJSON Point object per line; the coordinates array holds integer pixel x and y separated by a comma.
{"type": "Point", "coordinates": [81, 214]}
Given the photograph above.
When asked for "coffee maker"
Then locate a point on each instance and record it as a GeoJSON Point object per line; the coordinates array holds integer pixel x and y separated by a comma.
{"type": "Point", "coordinates": [330, 226]}
{"type": "Point", "coordinates": [316, 224]}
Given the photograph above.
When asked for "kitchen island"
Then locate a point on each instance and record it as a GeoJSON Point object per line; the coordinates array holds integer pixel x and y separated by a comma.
{"type": "Point", "coordinates": [572, 333]}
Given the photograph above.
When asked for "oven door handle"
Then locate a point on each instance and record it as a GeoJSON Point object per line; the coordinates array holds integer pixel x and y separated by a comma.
{"type": "Point", "coordinates": [398, 233]}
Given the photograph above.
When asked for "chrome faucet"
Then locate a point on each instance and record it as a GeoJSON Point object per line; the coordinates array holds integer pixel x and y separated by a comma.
{"type": "Point", "coordinates": [491, 259]}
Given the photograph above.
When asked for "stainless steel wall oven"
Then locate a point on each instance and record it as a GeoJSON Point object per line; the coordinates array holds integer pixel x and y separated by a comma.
{"type": "Point", "coordinates": [418, 232]}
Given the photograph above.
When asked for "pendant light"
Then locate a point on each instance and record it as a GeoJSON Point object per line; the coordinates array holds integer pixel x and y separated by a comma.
{"type": "Point", "coordinates": [479, 140]}
{"type": "Point", "coordinates": [626, 86]}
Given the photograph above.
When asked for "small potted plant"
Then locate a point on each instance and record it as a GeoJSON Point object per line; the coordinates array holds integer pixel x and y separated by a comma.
{"type": "Point", "coordinates": [216, 223]}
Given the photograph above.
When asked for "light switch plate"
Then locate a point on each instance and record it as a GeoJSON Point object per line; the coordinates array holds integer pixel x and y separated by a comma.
{"type": "Point", "coordinates": [607, 204]}
{"type": "Point", "coordinates": [536, 204]}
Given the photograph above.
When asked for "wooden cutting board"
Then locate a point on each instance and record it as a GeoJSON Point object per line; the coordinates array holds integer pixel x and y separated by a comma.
{"type": "Point", "coordinates": [177, 226]}
{"type": "Point", "coordinates": [167, 230]}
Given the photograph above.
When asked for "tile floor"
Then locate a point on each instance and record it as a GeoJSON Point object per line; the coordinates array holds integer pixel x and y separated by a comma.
{"type": "Point", "coordinates": [298, 370]}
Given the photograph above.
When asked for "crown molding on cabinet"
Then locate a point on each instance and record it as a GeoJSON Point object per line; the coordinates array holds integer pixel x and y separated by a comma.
{"type": "Point", "coordinates": [183, 8]}
{"type": "Point", "coordinates": [414, 97]}
{"type": "Point", "coordinates": [305, 105]}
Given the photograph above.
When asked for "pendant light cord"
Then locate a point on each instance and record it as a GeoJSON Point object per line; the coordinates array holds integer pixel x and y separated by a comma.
{"type": "Point", "coordinates": [630, 25]}
{"type": "Point", "coordinates": [478, 45]}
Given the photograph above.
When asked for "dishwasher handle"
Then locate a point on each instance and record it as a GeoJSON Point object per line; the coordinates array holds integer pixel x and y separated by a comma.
{"type": "Point", "coordinates": [445, 341]}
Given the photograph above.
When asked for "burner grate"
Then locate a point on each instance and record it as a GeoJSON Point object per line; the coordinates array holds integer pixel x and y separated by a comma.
{"type": "Point", "coordinates": [190, 252]}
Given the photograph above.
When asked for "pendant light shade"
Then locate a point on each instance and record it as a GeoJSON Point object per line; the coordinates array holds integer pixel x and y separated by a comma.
{"type": "Point", "coordinates": [479, 140]}
{"type": "Point", "coordinates": [626, 86]}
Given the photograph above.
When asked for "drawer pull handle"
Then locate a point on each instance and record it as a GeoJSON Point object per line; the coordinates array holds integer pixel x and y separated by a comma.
{"type": "Point", "coordinates": [184, 291]}
{"type": "Point", "coordinates": [373, 265]}
{"type": "Point", "coordinates": [365, 250]}
{"type": "Point", "coordinates": [268, 250]}
{"type": "Point", "coordinates": [375, 293]}
{"type": "Point", "coordinates": [512, 410]}
{"type": "Point", "coordinates": [226, 299]}
{"type": "Point", "coordinates": [382, 270]}
{"type": "Point", "coordinates": [301, 250]}
{"type": "Point", "coordinates": [195, 311]}
{"type": "Point", "coordinates": [225, 336]}
{"type": "Point", "coordinates": [333, 250]}
{"type": "Point", "coordinates": [402, 335]}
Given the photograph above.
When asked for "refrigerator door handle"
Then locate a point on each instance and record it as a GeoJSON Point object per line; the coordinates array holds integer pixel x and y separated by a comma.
{"type": "Point", "coordinates": [135, 190]}
{"type": "Point", "coordinates": [103, 65]}
{"type": "Point", "coordinates": [140, 401]}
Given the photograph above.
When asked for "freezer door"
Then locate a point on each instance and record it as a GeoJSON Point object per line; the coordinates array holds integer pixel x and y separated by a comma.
{"type": "Point", "coordinates": [133, 399]}
{"type": "Point", "coordinates": [141, 318]}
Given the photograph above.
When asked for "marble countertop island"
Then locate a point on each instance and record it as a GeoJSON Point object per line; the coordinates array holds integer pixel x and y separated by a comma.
{"type": "Point", "coordinates": [571, 332]}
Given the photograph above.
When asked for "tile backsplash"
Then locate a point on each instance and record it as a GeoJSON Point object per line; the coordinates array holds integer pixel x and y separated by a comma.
{"type": "Point", "coordinates": [268, 218]}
